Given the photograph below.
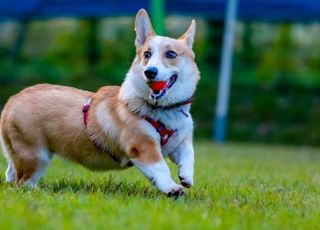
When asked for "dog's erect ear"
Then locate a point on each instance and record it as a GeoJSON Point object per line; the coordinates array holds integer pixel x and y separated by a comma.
{"type": "Point", "coordinates": [143, 28]}
{"type": "Point", "coordinates": [188, 36]}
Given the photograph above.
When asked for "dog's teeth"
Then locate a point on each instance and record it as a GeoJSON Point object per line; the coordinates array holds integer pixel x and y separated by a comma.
{"type": "Point", "coordinates": [155, 95]}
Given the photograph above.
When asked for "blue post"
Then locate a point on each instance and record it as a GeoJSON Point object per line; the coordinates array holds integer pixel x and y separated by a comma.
{"type": "Point", "coordinates": [220, 123]}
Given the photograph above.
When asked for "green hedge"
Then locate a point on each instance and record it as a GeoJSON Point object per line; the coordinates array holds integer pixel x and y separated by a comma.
{"type": "Point", "coordinates": [274, 94]}
{"type": "Point", "coordinates": [281, 112]}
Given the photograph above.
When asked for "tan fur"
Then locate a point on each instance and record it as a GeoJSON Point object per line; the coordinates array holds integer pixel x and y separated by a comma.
{"type": "Point", "coordinates": [50, 116]}
{"type": "Point", "coordinates": [45, 119]}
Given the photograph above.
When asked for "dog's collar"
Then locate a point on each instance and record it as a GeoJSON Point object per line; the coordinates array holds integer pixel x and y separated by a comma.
{"type": "Point", "coordinates": [96, 143]}
{"type": "Point", "coordinates": [174, 106]}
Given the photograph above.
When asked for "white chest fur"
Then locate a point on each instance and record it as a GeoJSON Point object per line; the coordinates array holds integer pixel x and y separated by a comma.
{"type": "Point", "coordinates": [176, 120]}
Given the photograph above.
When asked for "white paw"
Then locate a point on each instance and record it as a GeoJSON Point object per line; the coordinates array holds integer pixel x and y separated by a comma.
{"type": "Point", "coordinates": [175, 192]}
{"type": "Point", "coordinates": [186, 181]}
{"type": "Point", "coordinates": [171, 189]}
{"type": "Point", "coordinates": [159, 175]}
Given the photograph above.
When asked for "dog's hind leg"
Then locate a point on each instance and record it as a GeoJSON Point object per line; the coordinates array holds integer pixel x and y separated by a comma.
{"type": "Point", "coordinates": [44, 159]}
{"type": "Point", "coordinates": [27, 162]}
{"type": "Point", "coordinates": [31, 168]}
{"type": "Point", "coordinates": [10, 172]}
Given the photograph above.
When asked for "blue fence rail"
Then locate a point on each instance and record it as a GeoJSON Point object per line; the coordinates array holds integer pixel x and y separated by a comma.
{"type": "Point", "coordinates": [254, 10]}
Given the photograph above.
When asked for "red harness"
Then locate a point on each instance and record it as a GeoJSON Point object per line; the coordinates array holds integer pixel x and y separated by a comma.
{"type": "Point", "coordinates": [85, 110]}
{"type": "Point", "coordinates": [99, 146]}
{"type": "Point", "coordinates": [164, 133]}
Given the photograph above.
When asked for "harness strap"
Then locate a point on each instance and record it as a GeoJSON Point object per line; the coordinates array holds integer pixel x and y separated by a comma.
{"type": "Point", "coordinates": [85, 111]}
{"type": "Point", "coordinates": [164, 133]}
{"type": "Point", "coordinates": [99, 146]}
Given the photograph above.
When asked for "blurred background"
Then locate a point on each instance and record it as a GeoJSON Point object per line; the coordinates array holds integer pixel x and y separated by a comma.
{"type": "Point", "coordinates": [275, 71]}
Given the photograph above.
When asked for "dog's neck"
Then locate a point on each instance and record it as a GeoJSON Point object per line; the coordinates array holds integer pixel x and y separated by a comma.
{"type": "Point", "coordinates": [174, 105]}
{"type": "Point", "coordinates": [142, 106]}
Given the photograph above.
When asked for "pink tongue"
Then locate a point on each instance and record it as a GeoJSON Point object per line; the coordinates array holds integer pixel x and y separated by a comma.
{"type": "Point", "coordinates": [157, 85]}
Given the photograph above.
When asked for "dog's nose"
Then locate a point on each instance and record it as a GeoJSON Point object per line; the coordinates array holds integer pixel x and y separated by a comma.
{"type": "Point", "coordinates": [151, 72]}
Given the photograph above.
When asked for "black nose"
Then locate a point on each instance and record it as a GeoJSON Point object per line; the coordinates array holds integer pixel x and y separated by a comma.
{"type": "Point", "coordinates": [151, 72]}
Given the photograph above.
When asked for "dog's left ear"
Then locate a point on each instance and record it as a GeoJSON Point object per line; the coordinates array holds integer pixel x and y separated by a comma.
{"type": "Point", "coordinates": [188, 36]}
{"type": "Point", "coordinates": [143, 28]}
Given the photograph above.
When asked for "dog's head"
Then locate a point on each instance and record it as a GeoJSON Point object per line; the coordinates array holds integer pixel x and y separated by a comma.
{"type": "Point", "coordinates": [164, 71]}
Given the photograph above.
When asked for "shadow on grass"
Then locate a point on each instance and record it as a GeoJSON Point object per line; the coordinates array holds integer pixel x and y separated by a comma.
{"type": "Point", "coordinates": [109, 187]}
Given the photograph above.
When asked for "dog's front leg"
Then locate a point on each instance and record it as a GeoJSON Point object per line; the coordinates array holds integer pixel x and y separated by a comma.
{"type": "Point", "coordinates": [184, 158]}
{"type": "Point", "coordinates": [149, 161]}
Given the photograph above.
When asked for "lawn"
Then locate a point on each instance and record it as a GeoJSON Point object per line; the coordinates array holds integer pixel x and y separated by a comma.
{"type": "Point", "coordinates": [236, 187]}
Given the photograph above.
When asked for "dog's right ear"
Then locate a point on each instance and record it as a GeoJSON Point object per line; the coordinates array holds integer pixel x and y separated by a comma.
{"type": "Point", "coordinates": [143, 28]}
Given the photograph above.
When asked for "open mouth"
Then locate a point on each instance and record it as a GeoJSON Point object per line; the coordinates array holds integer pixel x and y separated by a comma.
{"type": "Point", "coordinates": [159, 88]}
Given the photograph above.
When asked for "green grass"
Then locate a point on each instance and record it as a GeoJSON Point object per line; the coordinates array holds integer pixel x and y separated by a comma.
{"type": "Point", "coordinates": [236, 187]}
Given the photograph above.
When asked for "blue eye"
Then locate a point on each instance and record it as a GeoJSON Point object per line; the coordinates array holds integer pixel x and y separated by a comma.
{"type": "Point", "coordinates": [147, 54]}
{"type": "Point", "coordinates": [171, 54]}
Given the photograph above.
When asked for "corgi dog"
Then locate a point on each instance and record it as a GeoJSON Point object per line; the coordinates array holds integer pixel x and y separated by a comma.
{"type": "Point", "coordinates": [139, 123]}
